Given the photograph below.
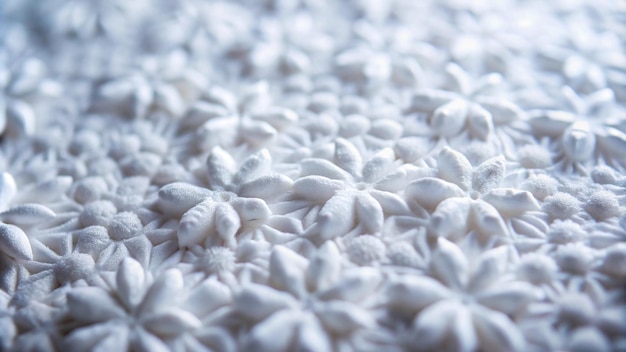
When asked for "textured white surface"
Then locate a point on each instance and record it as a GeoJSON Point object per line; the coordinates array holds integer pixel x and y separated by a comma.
{"type": "Point", "coordinates": [316, 175]}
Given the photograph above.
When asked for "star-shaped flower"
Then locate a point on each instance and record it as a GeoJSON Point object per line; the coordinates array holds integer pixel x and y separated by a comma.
{"type": "Point", "coordinates": [134, 313]}
{"type": "Point", "coordinates": [467, 108]}
{"type": "Point", "coordinates": [349, 191]}
{"type": "Point", "coordinates": [311, 302]}
{"type": "Point", "coordinates": [589, 131]}
{"type": "Point", "coordinates": [470, 306]}
{"type": "Point", "coordinates": [167, 86]}
{"type": "Point", "coordinates": [465, 199]}
{"type": "Point", "coordinates": [235, 200]}
{"type": "Point", "coordinates": [221, 118]}
{"type": "Point", "coordinates": [588, 60]}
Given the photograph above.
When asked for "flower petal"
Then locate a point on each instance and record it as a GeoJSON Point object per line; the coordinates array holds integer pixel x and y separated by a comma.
{"type": "Point", "coordinates": [412, 294]}
{"type": "Point", "coordinates": [8, 189]}
{"type": "Point", "coordinates": [429, 191]}
{"type": "Point", "coordinates": [324, 267]}
{"type": "Point", "coordinates": [176, 198]}
{"type": "Point", "coordinates": [253, 167]}
{"type": "Point", "coordinates": [321, 167]}
{"type": "Point", "coordinates": [491, 266]}
{"type": "Point", "coordinates": [207, 297]}
{"type": "Point", "coordinates": [273, 334]}
{"type": "Point", "coordinates": [196, 224]}
{"type": "Point", "coordinates": [146, 342]}
{"type": "Point", "coordinates": [337, 216]}
{"type": "Point", "coordinates": [480, 122]}
{"type": "Point", "coordinates": [278, 117]}
{"type": "Point", "coordinates": [87, 338]}
{"type": "Point", "coordinates": [614, 141]}
{"type": "Point", "coordinates": [454, 167]}
{"type": "Point", "coordinates": [449, 220]}
{"type": "Point", "coordinates": [201, 112]}
{"type": "Point", "coordinates": [486, 219]}
{"type": "Point", "coordinates": [316, 188]}
{"type": "Point", "coordinates": [369, 213]}
{"type": "Point", "coordinates": [166, 97]}
{"type": "Point", "coordinates": [171, 322]}
{"type": "Point", "coordinates": [429, 99]}
{"type": "Point", "coordinates": [391, 203]}
{"type": "Point", "coordinates": [266, 187]}
{"type": "Point", "coordinates": [312, 336]}
{"type": "Point", "coordinates": [92, 305]}
{"type": "Point", "coordinates": [27, 214]}
{"type": "Point", "coordinates": [509, 299]}
{"type": "Point", "coordinates": [227, 223]}
{"type": "Point", "coordinates": [449, 264]}
{"type": "Point", "coordinates": [551, 123]}
{"type": "Point", "coordinates": [489, 174]}
{"type": "Point", "coordinates": [463, 333]}
{"type": "Point", "coordinates": [14, 242]}
{"type": "Point", "coordinates": [130, 281]}
{"type": "Point", "coordinates": [354, 285]}
{"type": "Point", "coordinates": [256, 132]}
{"type": "Point", "coordinates": [287, 271]}
{"type": "Point", "coordinates": [221, 167]}
{"type": "Point", "coordinates": [257, 302]}
{"type": "Point", "coordinates": [579, 141]}
{"type": "Point", "coordinates": [251, 209]}
{"type": "Point", "coordinates": [511, 202]}
{"type": "Point", "coordinates": [348, 157]}
{"type": "Point", "coordinates": [164, 290]}
{"type": "Point", "coordinates": [44, 191]}
{"type": "Point", "coordinates": [344, 317]}
{"type": "Point", "coordinates": [502, 111]}
{"type": "Point", "coordinates": [449, 119]}
{"type": "Point", "coordinates": [432, 324]}
{"type": "Point", "coordinates": [496, 331]}
{"type": "Point", "coordinates": [397, 180]}
{"type": "Point", "coordinates": [379, 165]}
{"type": "Point", "coordinates": [20, 119]}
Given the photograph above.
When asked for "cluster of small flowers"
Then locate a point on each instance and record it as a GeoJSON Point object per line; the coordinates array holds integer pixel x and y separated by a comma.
{"type": "Point", "coordinates": [327, 176]}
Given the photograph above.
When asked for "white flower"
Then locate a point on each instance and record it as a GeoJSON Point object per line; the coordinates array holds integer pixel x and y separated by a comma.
{"type": "Point", "coordinates": [220, 118]}
{"type": "Point", "coordinates": [466, 109]}
{"type": "Point", "coordinates": [156, 86]}
{"type": "Point", "coordinates": [350, 192]}
{"type": "Point", "coordinates": [136, 314]}
{"type": "Point", "coordinates": [588, 60]}
{"type": "Point", "coordinates": [310, 303]}
{"type": "Point", "coordinates": [236, 199]}
{"type": "Point", "coordinates": [465, 199]}
{"type": "Point", "coordinates": [589, 131]}
{"type": "Point", "coordinates": [575, 321]}
{"type": "Point", "coordinates": [469, 308]}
